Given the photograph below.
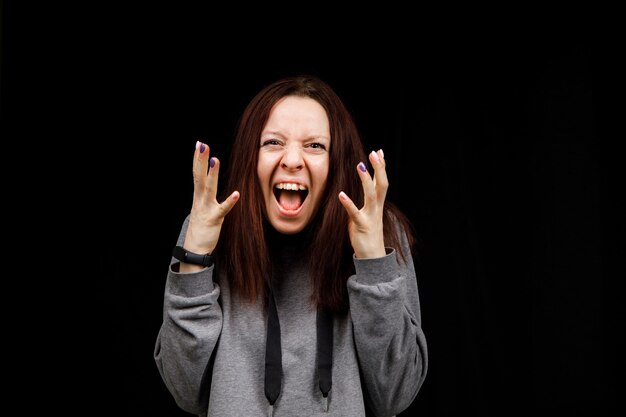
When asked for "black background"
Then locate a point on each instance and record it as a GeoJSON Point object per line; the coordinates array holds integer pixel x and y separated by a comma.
{"type": "Point", "coordinates": [498, 147]}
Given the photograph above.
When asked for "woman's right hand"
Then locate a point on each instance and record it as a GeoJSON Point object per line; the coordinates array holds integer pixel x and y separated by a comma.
{"type": "Point", "coordinates": [207, 214]}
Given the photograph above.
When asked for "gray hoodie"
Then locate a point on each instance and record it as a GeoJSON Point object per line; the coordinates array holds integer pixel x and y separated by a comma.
{"type": "Point", "coordinates": [210, 350]}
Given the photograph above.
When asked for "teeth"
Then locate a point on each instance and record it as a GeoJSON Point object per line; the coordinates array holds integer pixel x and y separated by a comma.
{"type": "Point", "coordinates": [290, 186]}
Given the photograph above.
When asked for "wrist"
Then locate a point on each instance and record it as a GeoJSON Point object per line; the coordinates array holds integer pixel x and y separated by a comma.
{"type": "Point", "coordinates": [186, 256]}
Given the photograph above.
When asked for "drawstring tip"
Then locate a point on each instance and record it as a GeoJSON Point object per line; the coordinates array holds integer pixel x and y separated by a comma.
{"type": "Point", "coordinates": [325, 403]}
{"type": "Point", "coordinates": [270, 411]}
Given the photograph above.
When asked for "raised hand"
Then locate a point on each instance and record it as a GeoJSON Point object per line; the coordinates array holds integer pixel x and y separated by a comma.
{"type": "Point", "coordinates": [366, 224]}
{"type": "Point", "coordinates": [207, 214]}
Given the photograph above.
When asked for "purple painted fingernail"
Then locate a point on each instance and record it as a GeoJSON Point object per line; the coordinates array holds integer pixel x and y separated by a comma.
{"type": "Point", "coordinates": [202, 148]}
{"type": "Point", "coordinates": [362, 167]}
{"type": "Point", "coordinates": [212, 162]}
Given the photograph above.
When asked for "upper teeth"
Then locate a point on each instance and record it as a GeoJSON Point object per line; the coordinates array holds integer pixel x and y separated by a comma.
{"type": "Point", "coordinates": [290, 186]}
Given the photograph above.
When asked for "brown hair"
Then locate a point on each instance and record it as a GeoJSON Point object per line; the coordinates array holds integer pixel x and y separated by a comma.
{"type": "Point", "coordinates": [243, 251]}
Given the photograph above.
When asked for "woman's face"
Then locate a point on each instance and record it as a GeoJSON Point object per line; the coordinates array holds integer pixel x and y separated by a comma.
{"type": "Point", "coordinates": [293, 162]}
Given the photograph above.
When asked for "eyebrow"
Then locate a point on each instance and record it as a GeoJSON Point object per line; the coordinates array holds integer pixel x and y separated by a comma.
{"type": "Point", "coordinates": [281, 135]}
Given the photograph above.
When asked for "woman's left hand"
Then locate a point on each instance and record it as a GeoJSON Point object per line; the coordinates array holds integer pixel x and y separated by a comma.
{"type": "Point", "coordinates": [366, 224]}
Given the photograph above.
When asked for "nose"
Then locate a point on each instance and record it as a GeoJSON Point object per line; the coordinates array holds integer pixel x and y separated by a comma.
{"type": "Point", "coordinates": [292, 158]}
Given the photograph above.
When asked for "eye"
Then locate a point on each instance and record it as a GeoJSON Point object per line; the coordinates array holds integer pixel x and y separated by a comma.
{"type": "Point", "coordinates": [316, 145]}
{"type": "Point", "coordinates": [270, 142]}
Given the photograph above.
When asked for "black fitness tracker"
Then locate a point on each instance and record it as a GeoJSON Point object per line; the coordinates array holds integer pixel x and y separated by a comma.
{"type": "Point", "coordinates": [184, 255]}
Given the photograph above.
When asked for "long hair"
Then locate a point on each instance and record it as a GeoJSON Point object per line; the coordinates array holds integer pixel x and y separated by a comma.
{"type": "Point", "coordinates": [243, 252]}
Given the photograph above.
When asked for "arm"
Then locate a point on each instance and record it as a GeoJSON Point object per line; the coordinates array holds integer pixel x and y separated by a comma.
{"type": "Point", "coordinates": [192, 322]}
{"type": "Point", "coordinates": [390, 343]}
{"type": "Point", "coordinates": [384, 302]}
{"type": "Point", "coordinates": [192, 316]}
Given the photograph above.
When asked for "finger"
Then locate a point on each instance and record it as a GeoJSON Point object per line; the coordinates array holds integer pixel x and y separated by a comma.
{"type": "Point", "coordinates": [214, 170]}
{"type": "Point", "coordinates": [369, 190]}
{"type": "Point", "coordinates": [377, 159]}
{"type": "Point", "coordinates": [200, 162]}
{"type": "Point", "coordinates": [348, 204]}
{"type": "Point", "coordinates": [228, 204]}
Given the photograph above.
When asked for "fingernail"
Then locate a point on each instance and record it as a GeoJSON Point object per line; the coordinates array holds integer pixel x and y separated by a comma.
{"type": "Point", "coordinates": [362, 167]}
{"type": "Point", "coordinates": [211, 162]}
{"type": "Point", "coordinates": [343, 195]}
{"type": "Point", "coordinates": [197, 144]}
{"type": "Point", "coordinates": [202, 148]}
{"type": "Point", "coordinates": [375, 156]}
{"type": "Point", "coordinates": [381, 153]}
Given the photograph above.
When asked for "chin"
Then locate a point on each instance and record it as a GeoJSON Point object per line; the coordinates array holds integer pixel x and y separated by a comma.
{"type": "Point", "coordinates": [288, 228]}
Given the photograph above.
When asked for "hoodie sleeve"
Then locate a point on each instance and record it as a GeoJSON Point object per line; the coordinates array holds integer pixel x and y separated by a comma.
{"type": "Point", "coordinates": [192, 322]}
{"type": "Point", "coordinates": [390, 343]}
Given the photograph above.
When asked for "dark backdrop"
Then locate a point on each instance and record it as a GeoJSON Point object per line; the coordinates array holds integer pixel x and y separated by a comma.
{"type": "Point", "coordinates": [497, 146]}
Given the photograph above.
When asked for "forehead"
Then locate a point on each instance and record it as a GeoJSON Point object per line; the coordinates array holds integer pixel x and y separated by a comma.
{"type": "Point", "coordinates": [293, 111]}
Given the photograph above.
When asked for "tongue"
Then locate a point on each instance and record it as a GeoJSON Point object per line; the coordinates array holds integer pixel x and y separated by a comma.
{"type": "Point", "coordinates": [290, 200]}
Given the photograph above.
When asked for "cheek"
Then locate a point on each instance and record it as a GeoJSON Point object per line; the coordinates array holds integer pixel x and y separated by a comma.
{"type": "Point", "coordinates": [261, 178]}
{"type": "Point", "coordinates": [264, 169]}
{"type": "Point", "coordinates": [319, 170]}
{"type": "Point", "coordinates": [262, 166]}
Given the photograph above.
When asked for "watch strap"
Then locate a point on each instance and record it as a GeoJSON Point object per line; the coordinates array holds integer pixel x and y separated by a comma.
{"type": "Point", "coordinates": [184, 255]}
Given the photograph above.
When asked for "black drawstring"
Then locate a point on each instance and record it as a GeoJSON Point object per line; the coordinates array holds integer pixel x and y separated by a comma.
{"type": "Point", "coordinates": [273, 354]}
{"type": "Point", "coordinates": [325, 351]}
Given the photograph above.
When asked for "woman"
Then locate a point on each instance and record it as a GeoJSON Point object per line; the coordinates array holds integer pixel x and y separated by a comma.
{"type": "Point", "coordinates": [295, 295]}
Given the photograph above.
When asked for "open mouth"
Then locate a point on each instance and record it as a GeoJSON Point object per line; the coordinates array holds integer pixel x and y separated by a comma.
{"type": "Point", "coordinates": [289, 195]}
